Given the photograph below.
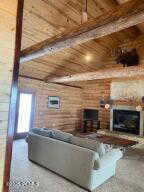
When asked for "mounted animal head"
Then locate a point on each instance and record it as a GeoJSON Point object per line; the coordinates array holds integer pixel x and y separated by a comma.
{"type": "Point", "coordinates": [130, 58]}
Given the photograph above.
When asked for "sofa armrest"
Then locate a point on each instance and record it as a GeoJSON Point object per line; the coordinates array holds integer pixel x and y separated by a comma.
{"type": "Point", "coordinates": [111, 157]}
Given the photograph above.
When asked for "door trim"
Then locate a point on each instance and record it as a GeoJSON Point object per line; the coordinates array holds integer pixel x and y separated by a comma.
{"type": "Point", "coordinates": [13, 99]}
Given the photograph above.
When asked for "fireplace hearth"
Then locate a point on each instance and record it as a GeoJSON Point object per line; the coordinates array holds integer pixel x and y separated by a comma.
{"type": "Point", "coordinates": [126, 121]}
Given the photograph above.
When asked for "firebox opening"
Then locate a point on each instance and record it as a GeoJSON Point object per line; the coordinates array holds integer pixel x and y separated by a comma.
{"type": "Point", "coordinates": [126, 121]}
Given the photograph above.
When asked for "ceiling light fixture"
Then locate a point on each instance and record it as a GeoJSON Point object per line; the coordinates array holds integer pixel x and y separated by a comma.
{"type": "Point", "coordinates": [84, 12]}
{"type": "Point", "coordinates": [88, 57]}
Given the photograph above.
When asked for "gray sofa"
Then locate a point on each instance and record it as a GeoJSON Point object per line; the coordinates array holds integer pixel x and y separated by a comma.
{"type": "Point", "coordinates": [82, 161]}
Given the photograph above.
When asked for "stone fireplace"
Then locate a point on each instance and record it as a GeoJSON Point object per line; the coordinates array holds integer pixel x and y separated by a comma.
{"type": "Point", "coordinates": [126, 119]}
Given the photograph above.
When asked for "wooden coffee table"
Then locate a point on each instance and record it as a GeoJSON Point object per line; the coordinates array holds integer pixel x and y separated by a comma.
{"type": "Point", "coordinates": [111, 140]}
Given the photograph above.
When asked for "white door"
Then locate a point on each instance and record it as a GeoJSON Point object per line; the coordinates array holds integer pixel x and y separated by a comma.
{"type": "Point", "coordinates": [25, 113]}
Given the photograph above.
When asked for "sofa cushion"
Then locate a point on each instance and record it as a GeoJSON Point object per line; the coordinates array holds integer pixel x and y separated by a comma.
{"type": "Point", "coordinates": [60, 135]}
{"type": "Point", "coordinates": [42, 131]}
{"type": "Point", "coordinates": [89, 144]}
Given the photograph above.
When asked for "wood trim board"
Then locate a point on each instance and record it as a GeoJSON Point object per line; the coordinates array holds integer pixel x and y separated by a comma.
{"type": "Point", "coordinates": [13, 100]}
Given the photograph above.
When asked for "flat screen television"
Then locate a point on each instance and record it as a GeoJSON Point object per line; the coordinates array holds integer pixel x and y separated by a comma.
{"type": "Point", "coordinates": [90, 114]}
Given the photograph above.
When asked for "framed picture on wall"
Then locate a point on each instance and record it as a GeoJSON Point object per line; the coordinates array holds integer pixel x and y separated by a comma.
{"type": "Point", "coordinates": [54, 102]}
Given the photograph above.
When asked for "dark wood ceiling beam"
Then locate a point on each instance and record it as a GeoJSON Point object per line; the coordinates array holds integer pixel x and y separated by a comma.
{"type": "Point", "coordinates": [124, 16]}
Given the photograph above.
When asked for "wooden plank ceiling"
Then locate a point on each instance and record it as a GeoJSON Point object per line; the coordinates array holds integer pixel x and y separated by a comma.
{"type": "Point", "coordinates": [46, 18]}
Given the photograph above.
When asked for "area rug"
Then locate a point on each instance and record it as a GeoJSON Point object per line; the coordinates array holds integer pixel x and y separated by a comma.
{"type": "Point", "coordinates": [27, 176]}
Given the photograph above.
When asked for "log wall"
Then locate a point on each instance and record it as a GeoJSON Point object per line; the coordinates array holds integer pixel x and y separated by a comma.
{"type": "Point", "coordinates": [92, 94]}
{"type": "Point", "coordinates": [67, 118]}
{"type": "Point", "coordinates": [73, 100]}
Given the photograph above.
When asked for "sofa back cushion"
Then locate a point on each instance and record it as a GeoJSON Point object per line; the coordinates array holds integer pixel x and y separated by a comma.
{"type": "Point", "coordinates": [89, 144]}
{"type": "Point", "coordinates": [60, 135]}
{"type": "Point", "coordinates": [53, 133]}
{"type": "Point", "coordinates": [42, 132]}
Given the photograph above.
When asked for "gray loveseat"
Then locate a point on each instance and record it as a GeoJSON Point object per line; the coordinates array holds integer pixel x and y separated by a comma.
{"type": "Point", "coordinates": [82, 161]}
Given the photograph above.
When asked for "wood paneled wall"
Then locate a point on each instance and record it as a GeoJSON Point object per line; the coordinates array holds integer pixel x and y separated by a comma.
{"type": "Point", "coordinates": [8, 12]}
{"type": "Point", "coordinates": [67, 117]}
{"type": "Point", "coordinates": [92, 94]}
{"type": "Point", "coordinates": [73, 100]}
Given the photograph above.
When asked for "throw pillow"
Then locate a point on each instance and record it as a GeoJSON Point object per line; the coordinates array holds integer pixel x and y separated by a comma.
{"type": "Point", "coordinates": [108, 148]}
{"type": "Point", "coordinates": [89, 144]}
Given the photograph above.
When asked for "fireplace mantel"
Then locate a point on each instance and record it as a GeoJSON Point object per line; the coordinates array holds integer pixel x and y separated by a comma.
{"type": "Point", "coordinates": [124, 107]}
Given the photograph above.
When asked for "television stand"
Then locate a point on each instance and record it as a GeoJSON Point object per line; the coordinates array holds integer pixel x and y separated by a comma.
{"type": "Point", "coordinates": [90, 125]}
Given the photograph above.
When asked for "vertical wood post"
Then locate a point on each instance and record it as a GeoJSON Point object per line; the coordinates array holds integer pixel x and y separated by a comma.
{"type": "Point", "coordinates": [13, 100]}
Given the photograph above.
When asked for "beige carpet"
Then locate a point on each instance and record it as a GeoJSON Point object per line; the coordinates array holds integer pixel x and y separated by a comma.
{"type": "Point", "coordinates": [29, 177]}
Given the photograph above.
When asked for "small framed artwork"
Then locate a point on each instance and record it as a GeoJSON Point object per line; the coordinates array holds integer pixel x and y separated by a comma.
{"type": "Point", "coordinates": [54, 102]}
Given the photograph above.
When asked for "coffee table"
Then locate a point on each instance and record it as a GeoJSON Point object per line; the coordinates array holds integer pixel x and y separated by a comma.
{"type": "Point", "coordinates": [115, 142]}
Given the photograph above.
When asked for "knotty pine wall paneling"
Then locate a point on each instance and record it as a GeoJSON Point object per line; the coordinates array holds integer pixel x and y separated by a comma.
{"type": "Point", "coordinates": [67, 117]}
{"type": "Point", "coordinates": [92, 94]}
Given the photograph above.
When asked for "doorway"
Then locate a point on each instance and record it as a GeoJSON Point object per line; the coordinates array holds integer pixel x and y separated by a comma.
{"type": "Point", "coordinates": [26, 108]}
